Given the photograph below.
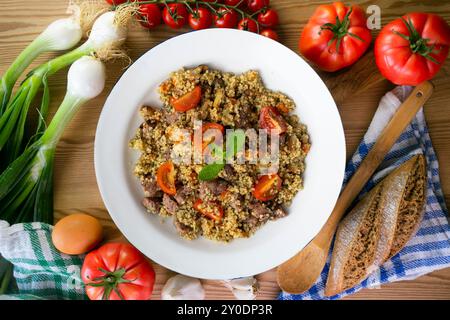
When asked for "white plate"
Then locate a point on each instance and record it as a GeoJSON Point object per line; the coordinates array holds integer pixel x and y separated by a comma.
{"type": "Point", "coordinates": [235, 51]}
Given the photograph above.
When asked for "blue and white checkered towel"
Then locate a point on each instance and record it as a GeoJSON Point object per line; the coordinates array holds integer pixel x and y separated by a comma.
{"type": "Point", "coordinates": [429, 249]}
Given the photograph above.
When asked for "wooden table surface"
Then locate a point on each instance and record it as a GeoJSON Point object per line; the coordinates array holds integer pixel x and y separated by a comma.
{"type": "Point", "coordinates": [356, 92]}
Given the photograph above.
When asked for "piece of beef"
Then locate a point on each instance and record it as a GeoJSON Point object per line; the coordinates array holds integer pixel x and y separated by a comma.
{"type": "Point", "coordinates": [171, 117]}
{"type": "Point", "coordinates": [229, 172]}
{"type": "Point", "coordinates": [152, 204]}
{"type": "Point", "coordinates": [259, 211]}
{"type": "Point", "coordinates": [251, 222]}
{"type": "Point", "coordinates": [151, 188]}
{"type": "Point", "coordinates": [215, 188]}
{"type": "Point", "coordinates": [236, 203]}
{"type": "Point", "coordinates": [181, 227]}
{"type": "Point", "coordinates": [278, 213]}
{"type": "Point", "coordinates": [170, 205]}
{"type": "Point", "coordinates": [182, 194]}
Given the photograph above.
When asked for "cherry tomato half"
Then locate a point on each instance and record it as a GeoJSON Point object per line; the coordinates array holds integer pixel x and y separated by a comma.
{"type": "Point", "coordinates": [267, 187]}
{"type": "Point", "coordinates": [271, 120]}
{"type": "Point", "coordinates": [209, 138]}
{"type": "Point", "coordinates": [226, 18]}
{"type": "Point", "coordinates": [175, 15]}
{"type": "Point", "coordinates": [200, 18]}
{"type": "Point", "coordinates": [248, 25]}
{"type": "Point", "coordinates": [188, 101]}
{"type": "Point", "coordinates": [268, 18]}
{"type": "Point", "coordinates": [255, 5]}
{"type": "Point", "coordinates": [165, 178]}
{"type": "Point", "coordinates": [210, 209]}
{"type": "Point", "coordinates": [150, 15]}
{"type": "Point", "coordinates": [269, 33]}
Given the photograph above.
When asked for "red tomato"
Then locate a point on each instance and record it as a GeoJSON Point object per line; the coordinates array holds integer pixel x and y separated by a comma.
{"type": "Point", "coordinates": [268, 18]}
{"type": "Point", "coordinates": [210, 209]}
{"type": "Point", "coordinates": [233, 3]}
{"type": "Point", "coordinates": [150, 14]}
{"type": "Point", "coordinates": [208, 138]}
{"type": "Point", "coordinates": [255, 5]}
{"type": "Point", "coordinates": [412, 49]}
{"type": "Point", "coordinates": [165, 178]}
{"type": "Point", "coordinates": [267, 187]}
{"type": "Point", "coordinates": [271, 120]}
{"type": "Point", "coordinates": [117, 271]}
{"type": "Point", "coordinates": [212, 125]}
{"type": "Point", "coordinates": [200, 18]}
{"type": "Point", "coordinates": [248, 25]}
{"type": "Point", "coordinates": [175, 15]}
{"type": "Point", "coordinates": [335, 36]}
{"type": "Point", "coordinates": [226, 18]}
{"type": "Point", "coordinates": [189, 101]}
{"type": "Point", "coordinates": [116, 2]}
{"type": "Point", "coordinates": [269, 33]}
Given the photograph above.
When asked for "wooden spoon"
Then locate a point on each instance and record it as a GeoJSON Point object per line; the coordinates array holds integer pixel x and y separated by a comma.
{"type": "Point", "coordinates": [300, 272]}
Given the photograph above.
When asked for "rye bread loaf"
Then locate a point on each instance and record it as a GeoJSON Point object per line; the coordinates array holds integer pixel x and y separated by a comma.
{"type": "Point", "coordinates": [378, 226]}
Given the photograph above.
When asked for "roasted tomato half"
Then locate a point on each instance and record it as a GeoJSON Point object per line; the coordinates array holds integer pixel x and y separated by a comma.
{"type": "Point", "coordinates": [267, 187]}
{"type": "Point", "coordinates": [188, 101]}
{"type": "Point", "coordinates": [165, 178]}
{"type": "Point", "coordinates": [271, 120]}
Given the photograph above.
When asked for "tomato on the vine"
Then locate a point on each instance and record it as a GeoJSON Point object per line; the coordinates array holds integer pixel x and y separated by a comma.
{"type": "Point", "coordinates": [248, 24]}
{"type": "Point", "coordinates": [269, 33]}
{"type": "Point", "coordinates": [412, 49]}
{"type": "Point", "coordinates": [233, 3]}
{"type": "Point", "coordinates": [175, 15]}
{"type": "Point", "coordinates": [256, 5]}
{"type": "Point", "coordinates": [226, 18]}
{"type": "Point", "coordinates": [116, 2]}
{"type": "Point", "coordinates": [200, 18]}
{"type": "Point", "coordinates": [268, 18]}
{"type": "Point", "coordinates": [150, 14]}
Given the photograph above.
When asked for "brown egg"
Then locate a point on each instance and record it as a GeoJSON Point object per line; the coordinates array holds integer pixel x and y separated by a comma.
{"type": "Point", "coordinates": [77, 234]}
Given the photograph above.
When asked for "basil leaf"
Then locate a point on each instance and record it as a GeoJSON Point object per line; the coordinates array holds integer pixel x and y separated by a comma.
{"type": "Point", "coordinates": [235, 143]}
{"type": "Point", "coordinates": [210, 171]}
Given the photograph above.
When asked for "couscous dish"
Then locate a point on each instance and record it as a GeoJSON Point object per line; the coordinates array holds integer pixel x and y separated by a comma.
{"type": "Point", "coordinates": [236, 198]}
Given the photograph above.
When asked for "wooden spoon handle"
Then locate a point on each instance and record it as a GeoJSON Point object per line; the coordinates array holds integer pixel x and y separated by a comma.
{"type": "Point", "coordinates": [404, 115]}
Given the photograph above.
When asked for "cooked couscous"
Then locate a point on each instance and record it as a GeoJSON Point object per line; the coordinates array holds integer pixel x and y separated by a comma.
{"type": "Point", "coordinates": [239, 200]}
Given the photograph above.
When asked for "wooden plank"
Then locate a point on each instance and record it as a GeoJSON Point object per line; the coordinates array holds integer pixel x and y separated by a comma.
{"type": "Point", "coordinates": [356, 91]}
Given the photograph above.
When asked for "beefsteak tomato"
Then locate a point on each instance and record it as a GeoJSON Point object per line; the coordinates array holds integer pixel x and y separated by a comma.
{"type": "Point", "coordinates": [335, 36]}
{"type": "Point", "coordinates": [117, 271]}
{"type": "Point", "coordinates": [412, 49]}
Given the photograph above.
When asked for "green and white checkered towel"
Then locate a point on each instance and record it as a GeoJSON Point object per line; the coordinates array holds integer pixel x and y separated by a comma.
{"type": "Point", "coordinates": [40, 270]}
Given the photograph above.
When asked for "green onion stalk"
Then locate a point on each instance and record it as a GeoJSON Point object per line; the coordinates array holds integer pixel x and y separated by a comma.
{"type": "Point", "coordinates": [61, 34]}
{"type": "Point", "coordinates": [26, 186]}
{"type": "Point", "coordinates": [108, 33]}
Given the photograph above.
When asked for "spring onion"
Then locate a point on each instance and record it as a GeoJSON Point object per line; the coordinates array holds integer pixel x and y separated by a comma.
{"type": "Point", "coordinates": [26, 186]}
{"type": "Point", "coordinates": [108, 33]}
{"type": "Point", "coordinates": [61, 34]}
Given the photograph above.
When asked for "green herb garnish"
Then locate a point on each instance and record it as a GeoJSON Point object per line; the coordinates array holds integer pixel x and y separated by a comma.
{"type": "Point", "coordinates": [235, 143]}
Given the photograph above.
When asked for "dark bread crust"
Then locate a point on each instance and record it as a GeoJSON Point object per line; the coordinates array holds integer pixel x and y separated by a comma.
{"type": "Point", "coordinates": [394, 209]}
{"type": "Point", "coordinates": [411, 206]}
{"type": "Point", "coordinates": [362, 252]}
